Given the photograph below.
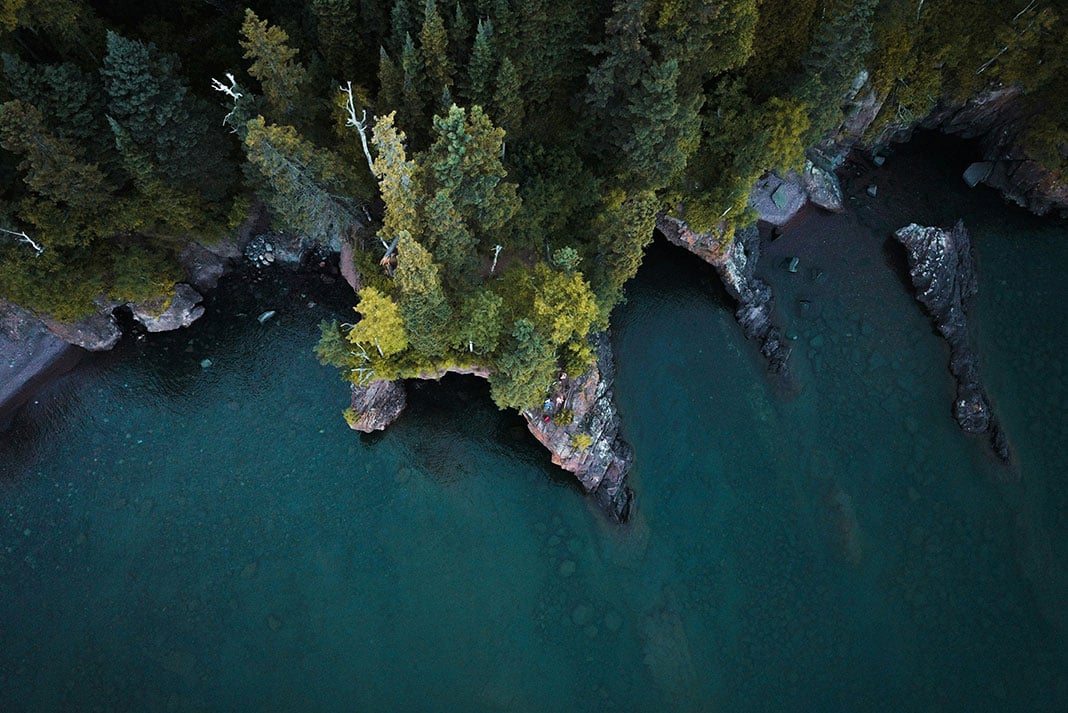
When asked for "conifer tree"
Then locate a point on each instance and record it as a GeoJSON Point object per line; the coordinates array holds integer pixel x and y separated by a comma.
{"type": "Point", "coordinates": [459, 35]}
{"type": "Point", "coordinates": [168, 126]}
{"type": "Point", "coordinates": [411, 114]}
{"type": "Point", "coordinates": [402, 24]}
{"type": "Point", "coordinates": [68, 198]}
{"type": "Point", "coordinates": [480, 322]}
{"type": "Point", "coordinates": [481, 68]}
{"type": "Point", "coordinates": [450, 240]}
{"type": "Point", "coordinates": [390, 84]}
{"type": "Point", "coordinates": [525, 369]}
{"type": "Point", "coordinates": [381, 329]}
{"type": "Point", "coordinates": [341, 32]}
{"type": "Point", "coordinates": [508, 99]}
{"type": "Point", "coordinates": [465, 161]}
{"type": "Point", "coordinates": [303, 184]}
{"type": "Point", "coordinates": [274, 64]}
{"type": "Point", "coordinates": [397, 180]}
{"type": "Point", "coordinates": [434, 46]}
{"type": "Point", "coordinates": [423, 305]}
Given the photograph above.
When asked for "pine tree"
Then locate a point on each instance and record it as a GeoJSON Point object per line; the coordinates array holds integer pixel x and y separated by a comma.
{"type": "Point", "coordinates": [390, 84]}
{"type": "Point", "coordinates": [274, 64]}
{"type": "Point", "coordinates": [423, 305]}
{"type": "Point", "coordinates": [303, 184]}
{"type": "Point", "coordinates": [411, 114]}
{"type": "Point", "coordinates": [480, 322]}
{"type": "Point", "coordinates": [402, 24]}
{"type": "Point", "coordinates": [168, 126]}
{"type": "Point", "coordinates": [340, 32]}
{"type": "Point", "coordinates": [381, 329]}
{"type": "Point", "coordinates": [508, 99]}
{"type": "Point", "coordinates": [396, 180]}
{"type": "Point", "coordinates": [465, 161]}
{"type": "Point", "coordinates": [459, 35]}
{"type": "Point", "coordinates": [450, 241]}
{"type": "Point", "coordinates": [68, 198]}
{"type": "Point", "coordinates": [434, 46]}
{"type": "Point", "coordinates": [525, 370]}
{"type": "Point", "coordinates": [481, 68]}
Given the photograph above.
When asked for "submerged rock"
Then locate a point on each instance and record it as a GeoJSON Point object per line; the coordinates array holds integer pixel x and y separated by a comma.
{"type": "Point", "coordinates": [943, 275]}
{"type": "Point", "coordinates": [736, 264]}
{"type": "Point", "coordinates": [589, 445]}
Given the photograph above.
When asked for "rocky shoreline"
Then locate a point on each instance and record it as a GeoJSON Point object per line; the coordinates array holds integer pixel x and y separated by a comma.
{"type": "Point", "coordinates": [578, 424]}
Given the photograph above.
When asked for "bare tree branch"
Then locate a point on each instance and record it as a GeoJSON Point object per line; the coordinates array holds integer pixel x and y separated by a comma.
{"type": "Point", "coordinates": [496, 252]}
{"type": "Point", "coordinates": [23, 238]}
{"type": "Point", "coordinates": [360, 124]}
{"type": "Point", "coordinates": [230, 91]}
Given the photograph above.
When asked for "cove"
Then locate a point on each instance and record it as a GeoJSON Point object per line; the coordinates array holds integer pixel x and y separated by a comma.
{"type": "Point", "coordinates": [174, 537]}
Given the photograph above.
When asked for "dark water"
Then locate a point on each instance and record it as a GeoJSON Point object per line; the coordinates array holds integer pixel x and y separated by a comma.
{"type": "Point", "coordinates": [182, 538]}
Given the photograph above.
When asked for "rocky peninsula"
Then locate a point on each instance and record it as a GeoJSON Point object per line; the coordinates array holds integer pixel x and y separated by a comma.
{"type": "Point", "coordinates": [943, 274]}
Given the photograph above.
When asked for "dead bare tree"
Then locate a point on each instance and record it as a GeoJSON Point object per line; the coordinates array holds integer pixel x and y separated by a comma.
{"type": "Point", "coordinates": [360, 124]}
{"type": "Point", "coordinates": [23, 238]}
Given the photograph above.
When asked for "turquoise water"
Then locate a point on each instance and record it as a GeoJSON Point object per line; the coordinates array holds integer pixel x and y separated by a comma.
{"type": "Point", "coordinates": [182, 538]}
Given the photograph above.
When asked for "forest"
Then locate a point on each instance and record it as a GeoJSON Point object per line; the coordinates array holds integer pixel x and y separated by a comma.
{"type": "Point", "coordinates": [498, 165]}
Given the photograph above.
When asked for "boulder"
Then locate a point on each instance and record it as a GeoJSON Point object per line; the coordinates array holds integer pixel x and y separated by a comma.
{"type": "Point", "coordinates": [822, 187]}
{"type": "Point", "coordinates": [166, 314]}
{"type": "Point", "coordinates": [977, 172]}
{"type": "Point", "coordinates": [204, 267]}
{"type": "Point", "coordinates": [376, 405]}
{"type": "Point", "coordinates": [778, 199]}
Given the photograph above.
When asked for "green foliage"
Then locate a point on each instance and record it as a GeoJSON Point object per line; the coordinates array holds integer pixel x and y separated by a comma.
{"type": "Point", "coordinates": [525, 370]}
{"type": "Point", "coordinates": [303, 184]}
{"type": "Point", "coordinates": [423, 304]}
{"type": "Point", "coordinates": [381, 329]}
{"type": "Point", "coordinates": [274, 65]}
{"type": "Point", "coordinates": [581, 441]}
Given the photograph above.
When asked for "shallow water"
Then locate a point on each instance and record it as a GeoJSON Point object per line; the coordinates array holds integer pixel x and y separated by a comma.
{"type": "Point", "coordinates": [175, 537]}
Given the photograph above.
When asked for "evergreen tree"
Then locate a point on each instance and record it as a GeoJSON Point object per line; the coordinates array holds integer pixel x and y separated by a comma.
{"type": "Point", "coordinates": [450, 241]}
{"type": "Point", "coordinates": [341, 34]}
{"type": "Point", "coordinates": [465, 161]}
{"type": "Point", "coordinates": [161, 120]}
{"type": "Point", "coordinates": [525, 370]}
{"type": "Point", "coordinates": [397, 180]}
{"type": "Point", "coordinates": [381, 329]}
{"type": "Point", "coordinates": [390, 84]}
{"type": "Point", "coordinates": [274, 64]}
{"type": "Point", "coordinates": [508, 99]}
{"type": "Point", "coordinates": [423, 305]}
{"type": "Point", "coordinates": [434, 46]}
{"type": "Point", "coordinates": [480, 322]}
{"type": "Point", "coordinates": [480, 70]}
{"type": "Point", "coordinates": [304, 185]}
{"type": "Point", "coordinates": [459, 35]}
{"type": "Point", "coordinates": [68, 199]}
{"type": "Point", "coordinates": [411, 114]}
{"type": "Point", "coordinates": [402, 24]}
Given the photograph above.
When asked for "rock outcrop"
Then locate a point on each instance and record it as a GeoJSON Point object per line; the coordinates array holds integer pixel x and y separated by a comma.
{"type": "Point", "coordinates": [96, 333]}
{"type": "Point", "coordinates": [376, 405]}
{"type": "Point", "coordinates": [579, 424]}
{"type": "Point", "coordinates": [735, 263]}
{"type": "Point", "coordinates": [943, 275]}
{"type": "Point", "coordinates": [179, 310]}
{"type": "Point", "coordinates": [30, 355]}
